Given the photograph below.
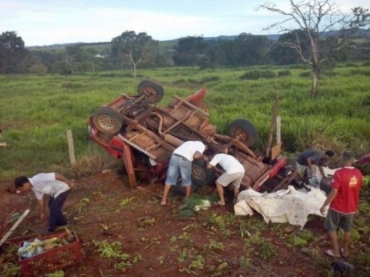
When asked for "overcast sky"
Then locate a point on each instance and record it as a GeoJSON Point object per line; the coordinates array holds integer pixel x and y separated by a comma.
{"type": "Point", "coordinates": [45, 22]}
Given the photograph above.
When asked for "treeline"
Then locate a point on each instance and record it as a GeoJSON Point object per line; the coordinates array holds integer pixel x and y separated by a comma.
{"type": "Point", "coordinates": [131, 50]}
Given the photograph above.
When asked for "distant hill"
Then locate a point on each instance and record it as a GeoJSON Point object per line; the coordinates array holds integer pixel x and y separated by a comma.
{"type": "Point", "coordinates": [99, 46]}
{"type": "Point", "coordinates": [164, 43]}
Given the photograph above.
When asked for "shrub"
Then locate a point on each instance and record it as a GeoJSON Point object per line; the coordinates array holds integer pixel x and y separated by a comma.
{"type": "Point", "coordinates": [207, 79]}
{"type": "Point", "coordinates": [284, 73]}
{"type": "Point", "coordinates": [365, 72]}
{"type": "Point", "coordinates": [257, 74]}
{"type": "Point", "coordinates": [38, 69]}
{"type": "Point", "coordinates": [305, 74]}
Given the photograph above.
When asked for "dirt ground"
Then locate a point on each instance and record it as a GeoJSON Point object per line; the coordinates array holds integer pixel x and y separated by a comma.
{"type": "Point", "coordinates": [159, 242]}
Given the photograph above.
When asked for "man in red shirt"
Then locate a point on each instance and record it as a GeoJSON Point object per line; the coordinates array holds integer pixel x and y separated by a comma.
{"type": "Point", "coordinates": [343, 200]}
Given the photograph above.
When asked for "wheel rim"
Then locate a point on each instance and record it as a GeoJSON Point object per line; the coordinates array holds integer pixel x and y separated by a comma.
{"type": "Point", "coordinates": [239, 132]}
{"type": "Point", "coordinates": [150, 92]}
{"type": "Point", "coordinates": [106, 122]}
{"type": "Point", "coordinates": [199, 173]}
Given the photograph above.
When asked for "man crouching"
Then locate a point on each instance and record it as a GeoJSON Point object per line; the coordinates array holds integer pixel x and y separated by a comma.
{"type": "Point", "coordinates": [53, 184]}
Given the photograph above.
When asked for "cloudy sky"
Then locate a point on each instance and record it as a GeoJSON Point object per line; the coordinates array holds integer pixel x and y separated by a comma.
{"type": "Point", "coordinates": [45, 22]}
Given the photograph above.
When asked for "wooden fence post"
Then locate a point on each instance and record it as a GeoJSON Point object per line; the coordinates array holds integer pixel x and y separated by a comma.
{"type": "Point", "coordinates": [278, 129]}
{"type": "Point", "coordinates": [71, 147]}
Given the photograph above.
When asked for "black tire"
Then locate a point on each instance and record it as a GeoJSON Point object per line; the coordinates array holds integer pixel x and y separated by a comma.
{"type": "Point", "coordinates": [107, 120]}
{"type": "Point", "coordinates": [153, 90]}
{"type": "Point", "coordinates": [245, 130]}
{"type": "Point", "coordinates": [180, 190]}
{"type": "Point", "coordinates": [201, 175]}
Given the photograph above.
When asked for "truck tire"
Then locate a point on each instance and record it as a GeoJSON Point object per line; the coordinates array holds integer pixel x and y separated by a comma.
{"type": "Point", "coordinates": [152, 89]}
{"type": "Point", "coordinates": [201, 175]}
{"type": "Point", "coordinates": [107, 120]}
{"type": "Point", "coordinates": [245, 130]}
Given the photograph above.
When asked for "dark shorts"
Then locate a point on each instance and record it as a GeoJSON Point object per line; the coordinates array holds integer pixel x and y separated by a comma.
{"type": "Point", "coordinates": [335, 220]}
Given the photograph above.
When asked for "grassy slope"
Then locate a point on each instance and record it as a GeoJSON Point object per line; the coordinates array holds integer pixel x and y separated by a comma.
{"type": "Point", "coordinates": [36, 111]}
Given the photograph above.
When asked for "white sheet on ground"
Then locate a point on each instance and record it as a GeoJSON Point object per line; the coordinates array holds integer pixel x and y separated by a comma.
{"type": "Point", "coordinates": [288, 205]}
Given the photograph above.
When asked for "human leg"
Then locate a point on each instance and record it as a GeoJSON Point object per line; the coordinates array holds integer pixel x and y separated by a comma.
{"type": "Point", "coordinates": [56, 217]}
{"type": "Point", "coordinates": [172, 175]}
{"type": "Point", "coordinates": [331, 223]}
{"type": "Point", "coordinates": [334, 243]}
{"type": "Point", "coordinates": [347, 240]}
{"type": "Point", "coordinates": [236, 184]}
{"type": "Point", "coordinates": [185, 167]}
{"type": "Point", "coordinates": [220, 191]}
{"type": "Point", "coordinates": [223, 181]}
{"type": "Point", "coordinates": [346, 225]}
{"type": "Point", "coordinates": [166, 190]}
{"type": "Point", "coordinates": [187, 191]}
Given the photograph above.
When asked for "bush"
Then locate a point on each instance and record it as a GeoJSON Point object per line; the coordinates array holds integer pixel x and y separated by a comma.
{"type": "Point", "coordinates": [257, 74]}
{"type": "Point", "coordinates": [365, 72]}
{"type": "Point", "coordinates": [305, 74]}
{"type": "Point", "coordinates": [284, 73]}
{"type": "Point", "coordinates": [208, 79]}
{"type": "Point", "coordinates": [38, 69]}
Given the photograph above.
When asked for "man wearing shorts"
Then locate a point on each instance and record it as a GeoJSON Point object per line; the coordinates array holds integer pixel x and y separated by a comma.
{"type": "Point", "coordinates": [343, 200]}
{"type": "Point", "coordinates": [181, 162]}
{"type": "Point", "coordinates": [234, 173]}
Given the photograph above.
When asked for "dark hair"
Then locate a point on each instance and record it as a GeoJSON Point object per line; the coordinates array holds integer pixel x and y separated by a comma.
{"type": "Point", "coordinates": [20, 181]}
{"type": "Point", "coordinates": [329, 153]}
{"type": "Point", "coordinates": [347, 156]}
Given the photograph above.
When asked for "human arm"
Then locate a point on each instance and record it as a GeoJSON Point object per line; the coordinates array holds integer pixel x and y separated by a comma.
{"type": "Point", "coordinates": [321, 168]}
{"type": "Point", "coordinates": [41, 203]}
{"type": "Point", "coordinates": [60, 177]}
{"type": "Point", "coordinates": [329, 199]}
{"type": "Point", "coordinates": [197, 155]}
{"type": "Point", "coordinates": [310, 169]}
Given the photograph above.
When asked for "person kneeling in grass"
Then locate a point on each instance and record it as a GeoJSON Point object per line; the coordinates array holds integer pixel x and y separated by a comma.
{"type": "Point", "coordinates": [233, 175]}
{"type": "Point", "coordinates": [343, 200]}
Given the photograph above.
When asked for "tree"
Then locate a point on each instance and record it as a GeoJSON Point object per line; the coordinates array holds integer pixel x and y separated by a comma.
{"type": "Point", "coordinates": [319, 20]}
{"type": "Point", "coordinates": [12, 53]}
{"type": "Point", "coordinates": [285, 55]}
{"type": "Point", "coordinates": [189, 51]}
{"type": "Point", "coordinates": [133, 49]}
{"type": "Point", "coordinates": [252, 49]}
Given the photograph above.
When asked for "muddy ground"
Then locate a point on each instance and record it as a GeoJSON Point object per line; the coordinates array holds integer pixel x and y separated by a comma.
{"type": "Point", "coordinates": [160, 241]}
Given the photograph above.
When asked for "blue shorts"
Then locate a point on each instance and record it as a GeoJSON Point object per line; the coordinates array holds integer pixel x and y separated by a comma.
{"type": "Point", "coordinates": [179, 166]}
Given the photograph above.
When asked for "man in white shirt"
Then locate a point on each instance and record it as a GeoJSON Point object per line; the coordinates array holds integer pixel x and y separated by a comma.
{"type": "Point", "coordinates": [53, 184]}
{"type": "Point", "coordinates": [234, 173]}
{"type": "Point", "coordinates": [181, 162]}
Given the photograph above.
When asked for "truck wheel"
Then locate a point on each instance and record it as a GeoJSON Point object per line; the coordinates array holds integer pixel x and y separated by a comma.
{"type": "Point", "coordinates": [201, 175]}
{"type": "Point", "coordinates": [245, 130]}
{"type": "Point", "coordinates": [107, 120]}
{"type": "Point", "coordinates": [153, 90]}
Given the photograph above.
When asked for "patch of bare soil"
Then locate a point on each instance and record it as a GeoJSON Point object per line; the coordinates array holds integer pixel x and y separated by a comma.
{"type": "Point", "coordinates": [156, 241]}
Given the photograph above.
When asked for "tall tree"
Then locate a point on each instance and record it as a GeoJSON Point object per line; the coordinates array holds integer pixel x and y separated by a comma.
{"type": "Point", "coordinates": [319, 20]}
{"type": "Point", "coordinates": [133, 49]}
{"type": "Point", "coordinates": [12, 53]}
{"type": "Point", "coordinates": [189, 51]}
{"type": "Point", "coordinates": [252, 49]}
{"type": "Point", "coordinates": [282, 55]}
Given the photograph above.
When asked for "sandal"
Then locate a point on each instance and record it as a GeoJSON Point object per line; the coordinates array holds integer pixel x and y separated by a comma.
{"type": "Point", "coordinates": [219, 204]}
{"type": "Point", "coordinates": [331, 253]}
{"type": "Point", "coordinates": [342, 253]}
{"type": "Point", "coordinates": [163, 203]}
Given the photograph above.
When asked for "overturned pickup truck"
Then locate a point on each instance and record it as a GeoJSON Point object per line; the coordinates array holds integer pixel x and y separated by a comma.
{"type": "Point", "coordinates": [144, 135]}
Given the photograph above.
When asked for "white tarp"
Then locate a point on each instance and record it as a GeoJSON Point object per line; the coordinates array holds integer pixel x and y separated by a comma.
{"type": "Point", "coordinates": [288, 205]}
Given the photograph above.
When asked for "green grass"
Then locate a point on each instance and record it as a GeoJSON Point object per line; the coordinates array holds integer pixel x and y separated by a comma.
{"type": "Point", "coordinates": [37, 111]}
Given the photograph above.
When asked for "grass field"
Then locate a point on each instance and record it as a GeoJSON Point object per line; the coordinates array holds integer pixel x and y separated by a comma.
{"type": "Point", "coordinates": [37, 111]}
